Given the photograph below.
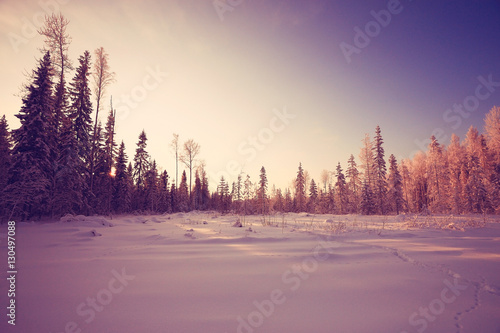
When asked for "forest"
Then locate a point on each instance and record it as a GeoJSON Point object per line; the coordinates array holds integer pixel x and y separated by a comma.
{"type": "Point", "coordinates": [62, 160]}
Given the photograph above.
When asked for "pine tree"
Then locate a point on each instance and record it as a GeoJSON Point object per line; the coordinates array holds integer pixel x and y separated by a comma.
{"type": "Point", "coordinates": [437, 176]}
{"type": "Point", "coordinates": [122, 184]}
{"type": "Point", "coordinates": [151, 191]}
{"type": "Point", "coordinates": [353, 185]}
{"type": "Point", "coordinates": [367, 202]}
{"type": "Point", "coordinates": [5, 161]}
{"type": "Point", "coordinates": [69, 179]}
{"type": "Point", "coordinates": [223, 196]}
{"type": "Point", "coordinates": [313, 197]}
{"type": "Point", "coordinates": [32, 170]}
{"type": "Point", "coordinates": [300, 190]}
{"type": "Point", "coordinates": [341, 191]}
{"type": "Point", "coordinates": [80, 107]}
{"type": "Point", "coordinates": [182, 194]}
{"type": "Point", "coordinates": [262, 192]}
{"type": "Point", "coordinates": [164, 202]}
{"type": "Point", "coordinates": [395, 192]}
{"type": "Point", "coordinates": [288, 201]}
{"type": "Point", "coordinates": [380, 171]}
{"type": "Point", "coordinates": [141, 160]}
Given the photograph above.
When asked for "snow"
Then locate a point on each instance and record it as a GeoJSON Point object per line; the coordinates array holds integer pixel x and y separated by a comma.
{"type": "Point", "coordinates": [197, 272]}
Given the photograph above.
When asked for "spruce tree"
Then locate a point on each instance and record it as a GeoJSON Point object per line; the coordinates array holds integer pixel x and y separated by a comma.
{"type": "Point", "coordinates": [380, 171]}
{"type": "Point", "coordinates": [353, 185]}
{"type": "Point", "coordinates": [31, 174]}
{"type": "Point", "coordinates": [313, 197]}
{"type": "Point", "coordinates": [69, 178]}
{"type": "Point", "coordinates": [80, 108]}
{"type": "Point", "coordinates": [395, 192]}
{"type": "Point", "coordinates": [300, 190]}
{"type": "Point", "coordinates": [121, 185]}
{"type": "Point", "coordinates": [341, 191]}
{"type": "Point", "coordinates": [5, 161]}
{"type": "Point", "coordinates": [182, 195]}
{"type": "Point", "coordinates": [262, 192]}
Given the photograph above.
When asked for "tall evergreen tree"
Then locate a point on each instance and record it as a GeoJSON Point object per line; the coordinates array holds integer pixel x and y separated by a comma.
{"type": "Point", "coordinates": [122, 183]}
{"type": "Point", "coordinates": [380, 171]}
{"type": "Point", "coordinates": [5, 161]}
{"type": "Point", "coordinates": [32, 171]}
{"type": "Point", "coordinates": [313, 197]}
{"type": "Point", "coordinates": [341, 191]}
{"type": "Point", "coordinates": [300, 190]}
{"type": "Point", "coordinates": [353, 185]}
{"type": "Point", "coordinates": [367, 203]}
{"type": "Point", "coordinates": [182, 194]}
{"type": "Point", "coordinates": [164, 201]}
{"type": "Point", "coordinates": [69, 178]}
{"type": "Point", "coordinates": [80, 107]}
{"type": "Point", "coordinates": [395, 192]}
{"type": "Point", "coordinates": [141, 160]}
{"type": "Point", "coordinates": [437, 176]}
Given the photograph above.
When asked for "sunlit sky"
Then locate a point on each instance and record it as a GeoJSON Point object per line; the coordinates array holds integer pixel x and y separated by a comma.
{"type": "Point", "coordinates": [267, 83]}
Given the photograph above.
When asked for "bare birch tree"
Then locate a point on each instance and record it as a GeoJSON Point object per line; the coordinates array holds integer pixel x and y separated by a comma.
{"type": "Point", "coordinates": [188, 157]}
{"type": "Point", "coordinates": [102, 77]}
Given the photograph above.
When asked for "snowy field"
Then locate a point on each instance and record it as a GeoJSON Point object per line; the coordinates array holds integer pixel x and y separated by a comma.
{"type": "Point", "coordinates": [200, 272]}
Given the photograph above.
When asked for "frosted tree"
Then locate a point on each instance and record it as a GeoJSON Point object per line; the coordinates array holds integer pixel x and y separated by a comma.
{"type": "Point", "coordinates": [475, 180]}
{"type": "Point", "coordinates": [353, 185]}
{"type": "Point", "coordinates": [288, 204]}
{"type": "Point", "coordinates": [492, 134]}
{"type": "Point", "coordinates": [262, 192]}
{"type": "Point", "coordinates": [456, 159]}
{"type": "Point", "coordinates": [367, 204]}
{"type": "Point", "coordinates": [32, 170]}
{"type": "Point", "coordinates": [5, 160]}
{"type": "Point", "coordinates": [223, 198]}
{"type": "Point", "coordinates": [438, 180]}
{"type": "Point", "coordinates": [395, 192]}
{"type": "Point", "coordinates": [380, 171]}
{"type": "Point", "coordinates": [182, 195]}
{"type": "Point", "coordinates": [300, 190]}
{"type": "Point", "coordinates": [279, 201]}
{"type": "Point", "coordinates": [313, 197]}
{"type": "Point", "coordinates": [341, 191]}
{"type": "Point", "coordinates": [80, 108]}
{"type": "Point", "coordinates": [420, 183]}
{"type": "Point", "coordinates": [367, 162]}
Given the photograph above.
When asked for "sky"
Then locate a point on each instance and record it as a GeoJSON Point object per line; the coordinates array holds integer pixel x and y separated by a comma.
{"type": "Point", "coordinates": [274, 83]}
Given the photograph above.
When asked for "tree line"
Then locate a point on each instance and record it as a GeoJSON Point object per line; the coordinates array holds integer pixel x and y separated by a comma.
{"type": "Point", "coordinates": [61, 161]}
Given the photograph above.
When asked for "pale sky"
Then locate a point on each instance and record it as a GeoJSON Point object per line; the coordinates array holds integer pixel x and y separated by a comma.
{"type": "Point", "coordinates": [270, 85]}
